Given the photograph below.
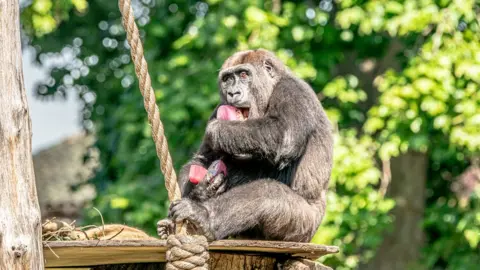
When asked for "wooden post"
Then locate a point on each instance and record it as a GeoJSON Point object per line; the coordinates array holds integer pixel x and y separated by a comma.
{"type": "Point", "coordinates": [20, 224]}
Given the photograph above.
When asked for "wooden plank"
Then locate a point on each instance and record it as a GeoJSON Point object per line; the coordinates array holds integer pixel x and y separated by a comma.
{"type": "Point", "coordinates": [273, 247]}
{"type": "Point", "coordinates": [91, 256]}
{"type": "Point", "coordinates": [69, 268]}
{"type": "Point", "coordinates": [93, 252]}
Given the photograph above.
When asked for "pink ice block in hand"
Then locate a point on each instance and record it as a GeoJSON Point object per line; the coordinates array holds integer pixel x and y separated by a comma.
{"type": "Point", "coordinates": [196, 174]}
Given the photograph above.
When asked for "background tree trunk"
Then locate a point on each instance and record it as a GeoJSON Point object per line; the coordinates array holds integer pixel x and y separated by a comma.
{"type": "Point", "coordinates": [20, 230]}
{"type": "Point", "coordinates": [401, 248]}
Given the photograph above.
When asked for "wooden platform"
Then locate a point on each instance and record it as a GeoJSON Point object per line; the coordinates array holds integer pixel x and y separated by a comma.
{"type": "Point", "coordinates": [61, 254]}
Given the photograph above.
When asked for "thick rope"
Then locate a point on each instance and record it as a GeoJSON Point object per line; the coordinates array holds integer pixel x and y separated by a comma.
{"type": "Point", "coordinates": [185, 252]}
{"type": "Point", "coordinates": [145, 83]}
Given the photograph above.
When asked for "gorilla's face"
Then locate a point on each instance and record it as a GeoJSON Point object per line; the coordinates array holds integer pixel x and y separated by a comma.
{"type": "Point", "coordinates": [235, 86]}
{"type": "Point", "coordinates": [247, 79]}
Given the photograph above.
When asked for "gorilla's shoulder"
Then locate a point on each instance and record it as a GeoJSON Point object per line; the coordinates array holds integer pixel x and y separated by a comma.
{"type": "Point", "coordinates": [292, 85]}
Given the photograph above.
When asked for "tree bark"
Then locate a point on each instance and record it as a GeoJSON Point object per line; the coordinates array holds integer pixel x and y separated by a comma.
{"type": "Point", "coordinates": [401, 248]}
{"type": "Point", "coordinates": [20, 228]}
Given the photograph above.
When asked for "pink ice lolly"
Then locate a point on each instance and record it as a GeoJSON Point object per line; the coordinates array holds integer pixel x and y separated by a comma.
{"type": "Point", "coordinates": [227, 112]}
{"type": "Point", "coordinates": [196, 174]}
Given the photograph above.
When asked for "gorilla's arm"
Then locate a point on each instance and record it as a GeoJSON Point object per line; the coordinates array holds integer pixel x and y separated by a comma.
{"type": "Point", "coordinates": [203, 157]}
{"type": "Point", "coordinates": [280, 136]}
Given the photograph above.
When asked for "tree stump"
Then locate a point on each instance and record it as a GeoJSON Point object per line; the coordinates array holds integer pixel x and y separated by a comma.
{"type": "Point", "coordinates": [226, 261]}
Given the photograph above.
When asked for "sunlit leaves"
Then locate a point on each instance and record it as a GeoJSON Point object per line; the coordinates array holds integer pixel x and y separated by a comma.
{"type": "Point", "coordinates": [345, 90]}
{"type": "Point", "coordinates": [433, 105]}
{"type": "Point", "coordinates": [432, 93]}
{"type": "Point", "coordinates": [42, 6]}
{"type": "Point", "coordinates": [353, 194]}
{"type": "Point", "coordinates": [230, 21]}
{"type": "Point", "coordinates": [373, 124]}
{"type": "Point", "coordinates": [119, 202]}
{"type": "Point", "coordinates": [472, 236]}
{"type": "Point", "coordinates": [80, 5]}
{"type": "Point", "coordinates": [349, 17]}
{"type": "Point", "coordinates": [43, 24]}
{"type": "Point", "coordinates": [405, 17]}
{"type": "Point", "coordinates": [178, 61]}
{"type": "Point", "coordinates": [255, 16]}
{"type": "Point", "coordinates": [43, 16]}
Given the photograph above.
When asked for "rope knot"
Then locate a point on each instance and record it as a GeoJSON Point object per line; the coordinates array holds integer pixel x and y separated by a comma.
{"type": "Point", "coordinates": [187, 252]}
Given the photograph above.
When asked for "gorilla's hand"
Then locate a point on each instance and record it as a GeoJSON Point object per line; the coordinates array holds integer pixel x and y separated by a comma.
{"type": "Point", "coordinates": [216, 185]}
{"type": "Point", "coordinates": [209, 187]}
{"type": "Point", "coordinates": [165, 227]}
{"type": "Point", "coordinates": [193, 212]}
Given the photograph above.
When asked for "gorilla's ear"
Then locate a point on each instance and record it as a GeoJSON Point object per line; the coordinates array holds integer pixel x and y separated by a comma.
{"type": "Point", "coordinates": [269, 68]}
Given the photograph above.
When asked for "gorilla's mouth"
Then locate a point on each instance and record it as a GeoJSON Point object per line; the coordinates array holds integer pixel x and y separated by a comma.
{"type": "Point", "coordinates": [228, 112]}
{"type": "Point", "coordinates": [242, 113]}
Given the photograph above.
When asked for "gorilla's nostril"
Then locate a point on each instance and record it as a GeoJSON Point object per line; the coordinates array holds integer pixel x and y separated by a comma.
{"type": "Point", "coordinates": [233, 93]}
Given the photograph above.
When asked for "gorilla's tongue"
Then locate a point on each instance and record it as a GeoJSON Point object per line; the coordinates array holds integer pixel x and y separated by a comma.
{"type": "Point", "coordinates": [227, 112]}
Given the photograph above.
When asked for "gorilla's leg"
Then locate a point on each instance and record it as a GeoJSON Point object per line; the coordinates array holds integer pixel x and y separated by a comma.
{"type": "Point", "coordinates": [268, 205]}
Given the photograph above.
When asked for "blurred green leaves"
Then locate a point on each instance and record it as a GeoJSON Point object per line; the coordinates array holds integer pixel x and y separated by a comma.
{"type": "Point", "coordinates": [43, 16]}
{"type": "Point", "coordinates": [357, 212]}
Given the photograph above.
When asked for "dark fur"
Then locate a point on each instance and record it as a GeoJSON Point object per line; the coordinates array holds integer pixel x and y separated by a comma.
{"type": "Point", "coordinates": [279, 160]}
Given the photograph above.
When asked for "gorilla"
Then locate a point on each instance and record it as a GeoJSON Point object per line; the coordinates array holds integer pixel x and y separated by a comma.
{"type": "Point", "coordinates": [279, 159]}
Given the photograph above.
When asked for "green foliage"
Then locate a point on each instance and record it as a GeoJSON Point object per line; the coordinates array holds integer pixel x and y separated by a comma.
{"type": "Point", "coordinates": [433, 98]}
{"type": "Point", "coordinates": [428, 101]}
{"type": "Point", "coordinates": [357, 213]}
{"type": "Point", "coordinates": [458, 235]}
{"type": "Point", "coordinates": [347, 95]}
{"type": "Point", "coordinates": [43, 16]}
{"type": "Point", "coordinates": [433, 106]}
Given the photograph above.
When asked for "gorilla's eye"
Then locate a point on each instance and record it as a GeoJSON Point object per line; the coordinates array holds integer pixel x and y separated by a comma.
{"type": "Point", "coordinates": [226, 77]}
{"type": "Point", "coordinates": [243, 74]}
{"type": "Point", "coordinates": [268, 66]}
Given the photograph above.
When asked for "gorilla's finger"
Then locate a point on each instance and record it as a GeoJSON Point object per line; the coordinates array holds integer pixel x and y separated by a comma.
{"type": "Point", "coordinates": [179, 218]}
{"type": "Point", "coordinates": [173, 209]}
{"type": "Point", "coordinates": [206, 180]}
{"type": "Point", "coordinates": [180, 215]}
{"type": "Point", "coordinates": [165, 227]}
{"type": "Point", "coordinates": [172, 204]}
{"type": "Point", "coordinates": [162, 236]}
{"type": "Point", "coordinates": [221, 189]}
{"type": "Point", "coordinates": [180, 208]}
{"type": "Point", "coordinates": [166, 224]}
{"type": "Point", "coordinates": [216, 182]}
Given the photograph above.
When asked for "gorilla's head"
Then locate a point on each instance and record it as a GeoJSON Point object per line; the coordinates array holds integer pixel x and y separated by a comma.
{"type": "Point", "coordinates": [247, 79]}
